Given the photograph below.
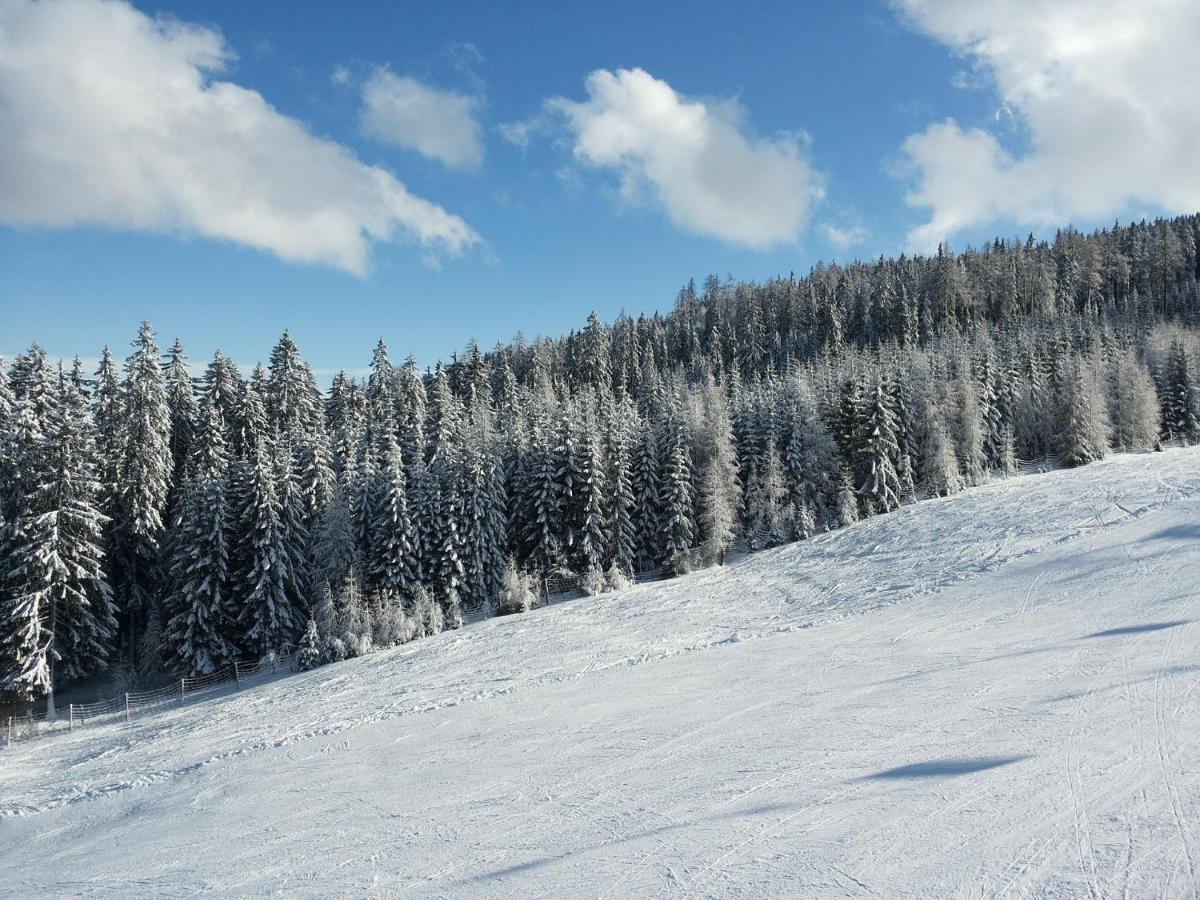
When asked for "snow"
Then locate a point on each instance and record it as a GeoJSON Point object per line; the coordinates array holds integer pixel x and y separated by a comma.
{"type": "Point", "coordinates": [990, 695]}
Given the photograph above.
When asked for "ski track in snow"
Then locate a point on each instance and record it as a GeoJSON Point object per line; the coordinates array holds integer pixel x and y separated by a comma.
{"type": "Point", "coordinates": [986, 696]}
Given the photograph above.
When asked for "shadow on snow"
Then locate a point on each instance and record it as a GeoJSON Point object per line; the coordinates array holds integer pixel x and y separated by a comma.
{"type": "Point", "coordinates": [945, 768]}
{"type": "Point", "coordinates": [1139, 629]}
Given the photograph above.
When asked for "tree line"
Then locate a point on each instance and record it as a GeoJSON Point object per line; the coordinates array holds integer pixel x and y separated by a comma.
{"type": "Point", "coordinates": [171, 523]}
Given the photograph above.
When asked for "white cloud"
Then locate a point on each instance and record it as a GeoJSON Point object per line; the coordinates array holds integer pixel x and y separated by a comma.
{"type": "Point", "coordinates": [844, 236]}
{"type": "Point", "coordinates": [109, 117]}
{"type": "Point", "coordinates": [1104, 91]}
{"type": "Point", "coordinates": [436, 123]}
{"type": "Point", "coordinates": [519, 134]}
{"type": "Point", "coordinates": [693, 158]}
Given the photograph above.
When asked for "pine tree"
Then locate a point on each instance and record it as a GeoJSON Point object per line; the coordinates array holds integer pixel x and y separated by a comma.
{"type": "Point", "coordinates": [876, 453]}
{"type": "Point", "coordinates": [1133, 405]}
{"type": "Point", "coordinates": [592, 489]}
{"type": "Point", "coordinates": [719, 488]}
{"type": "Point", "coordinates": [1180, 397]}
{"type": "Point", "coordinates": [544, 500]}
{"type": "Point", "coordinates": [181, 399]}
{"type": "Point", "coordinates": [85, 622]}
{"type": "Point", "coordinates": [1083, 437]}
{"type": "Point", "coordinates": [308, 654]}
{"type": "Point", "coordinates": [56, 614]}
{"type": "Point", "coordinates": [448, 572]}
{"type": "Point", "coordinates": [647, 491]}
{"type": "Point", "coordinates": [143, 481]}
{"type": "Point", "coordinates": [199, 630]}
{"type": "Point", "coordinates": [678, 502]}
{"type": "Point", "coordinates": [265, 613]}
{"type": "Point", "coordinates": [622, 528]}
{"type": "Point", "coordinates": [394, 565]}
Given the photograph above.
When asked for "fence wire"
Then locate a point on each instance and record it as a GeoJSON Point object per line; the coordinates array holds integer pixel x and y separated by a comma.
{"type": "Point", "coordinates": [136, 703]}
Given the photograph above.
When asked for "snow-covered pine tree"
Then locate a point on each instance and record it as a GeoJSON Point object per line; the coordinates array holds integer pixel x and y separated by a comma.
{"type": "Point", "coordinates": [410, 415]}
{"type": "Point", "coordinates": [308, 654]}
{"type": "Point", "coordinates": [56, 614]}
{"type": "Point", "coordinates": [940, 465]}
{"type": "Point", "coordinates": [543, 496]}
{"type": "Point", "coordinates": [448, 573]}
{"type": "Point", "coordinates": [263, 589]}
{"type": "Point", "coordinates": [86, 622]}
{"type": "Point", "coordinates": [395, 568]}
{"type": "Point", "coordinates": [622, 527]}
{"type": "Point", "coordinates": [768, 506]}
{"type": "Point", "coordinates": [592, 490]}
{"type": "Point", "coordinates": [333, 548]}
{"type": "Point", "coordinates": [720, 492]}
{"type": "Point", "coordinates": [293, 403]}
{"type": "Point", "coordinates": [968, 430]}
{"type": "Point", "coordinates": [445, 414]}
{"type": "Point", "coordinates": [678, 521]}
{"type": "Point", "coordinates": [1083, 434]}
{"type": "Point", "coordinates": [876, 452]}
{"type": "Point", "coordinates": [1132, 404]}
{"type": "Point", "coordinates": [26, 632]}
{"type": "Point", "coordinates": [1180, 396]}
{"type": "Point", "coordinates": [181, 400]}
{"type": "Point", "coordinates": [198, 629]}
{"type": "Point", "coordinates": [381, 398]}
{"type": "Point", "coordinates": [647, 489]}
{"type": "Point", "coordinates": [106, 413]}
{"type": "Point", "coordinates": [296, 537]}
{"type": "Point", "coordinates": [594, 362]}
{"type": "Point", "coordinates": [143, 483]}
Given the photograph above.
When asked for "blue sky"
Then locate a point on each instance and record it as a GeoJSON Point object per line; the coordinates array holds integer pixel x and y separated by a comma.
{"type": "Point", "coordinates": [852, 107]}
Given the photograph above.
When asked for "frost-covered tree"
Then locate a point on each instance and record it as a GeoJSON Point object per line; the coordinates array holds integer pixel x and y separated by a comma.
{"type": "Point", "coordinates": [308, 653]}
{"type": "Point", "coordinates": [263, 587]}
{"type": "Point", "coordinates": [199, 629]}
{"type": "Point", "coordinates": [622, 526]}
{"type": "Point", "coordinates": [56, 612]}
{"type": "Point", "coordinates": [677, 499]}
{"type": "Point", "coordinates": [1084, 428]}
{"type": "Point", "coordinates": [181, 400]}
{"type": "Point", "coordinates": [1180, 396]}
{"type": "Point", "coordinates": [1132, 405]}
{"type": "Point", "coordinates": [393, 558]}
{"type": "Point", "coordinates": [877, 451]}
{"type": "Point", "coordinates": [719, 489]}
{"type": "Point", "coordinates": [143, 481]}
{"type": "Point", "coordinates": [647, 490]}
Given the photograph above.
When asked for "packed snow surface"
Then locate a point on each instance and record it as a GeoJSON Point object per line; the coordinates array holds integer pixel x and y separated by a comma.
{"type": "Point", "coordinates": [993, 695]}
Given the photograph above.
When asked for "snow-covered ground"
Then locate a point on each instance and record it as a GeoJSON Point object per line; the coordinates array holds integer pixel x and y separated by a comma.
{"type": "Point", "coordinates": [993, 695]}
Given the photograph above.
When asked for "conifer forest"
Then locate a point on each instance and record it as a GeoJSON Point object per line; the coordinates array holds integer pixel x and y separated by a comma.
{"type": "Point", "coordinates": [163, 516]}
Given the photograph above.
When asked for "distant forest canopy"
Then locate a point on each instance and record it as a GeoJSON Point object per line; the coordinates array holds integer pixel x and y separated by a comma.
{"type": "Point", "coordinates": [168, 525]}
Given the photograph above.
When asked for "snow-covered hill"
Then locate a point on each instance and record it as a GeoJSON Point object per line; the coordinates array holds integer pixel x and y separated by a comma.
{"type": "Point", "coordinates": [991, 695]}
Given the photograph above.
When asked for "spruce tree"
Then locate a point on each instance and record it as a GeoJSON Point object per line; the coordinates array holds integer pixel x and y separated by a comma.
{"type": "Point", "coordinates": [876, 453]}
{"type": "Point", "coordinates": [395, 568]}
{"type": "Point", "coordinates": [678, 501]}
{"type": "Point", "coordinates": [266, 617]}
{"type": "Point", "coordinates": [622, 527]}
{"type": "Point", "coordinates": [143, 482]}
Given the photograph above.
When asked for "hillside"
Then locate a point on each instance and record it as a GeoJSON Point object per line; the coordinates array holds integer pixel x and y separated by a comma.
{"type": "Point", "coordinates": [993, 694]}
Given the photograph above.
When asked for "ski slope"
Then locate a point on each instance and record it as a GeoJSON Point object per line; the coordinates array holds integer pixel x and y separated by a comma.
{"type": "Point", "coordinates": [992, 695]}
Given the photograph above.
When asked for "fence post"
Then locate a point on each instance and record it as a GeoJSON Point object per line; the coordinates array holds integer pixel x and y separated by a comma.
{"type": "Point", "coordinates": [126, 707]}
{"type": "Point", "coordinates": [70, 717]}
{"type": "Point", "coordinates": [182, 691]}
{"type": "Point", "coordinates": [237, 682]}
{"type": "Point", "coordinates": [10, 731]}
